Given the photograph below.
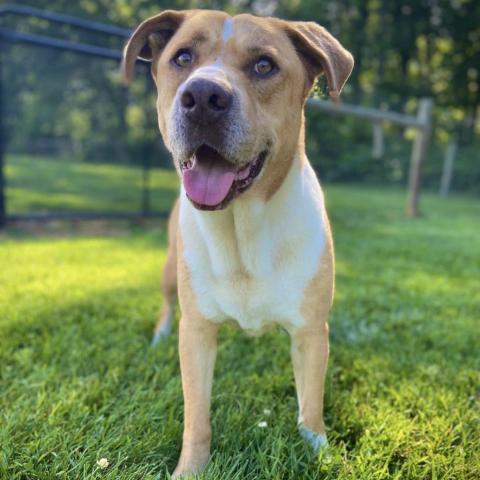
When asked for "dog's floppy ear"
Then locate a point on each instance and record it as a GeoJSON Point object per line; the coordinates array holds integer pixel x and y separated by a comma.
{"type": "Point", "coordinates": [150, 37]}
{"type": "Point", "coordinates": [321, 53]}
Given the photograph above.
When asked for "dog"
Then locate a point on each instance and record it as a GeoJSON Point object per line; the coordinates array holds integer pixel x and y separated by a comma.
{"type": "Point", "coordinates": [249, 237]}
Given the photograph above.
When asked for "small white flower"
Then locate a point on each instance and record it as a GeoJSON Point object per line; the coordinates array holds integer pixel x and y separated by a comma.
{"type": "Point", "coordinates": [262, 425]}
{"type": "Point", "coordinates": [103, 463]}
{"type": "Point", "coordinates": [267, 411]}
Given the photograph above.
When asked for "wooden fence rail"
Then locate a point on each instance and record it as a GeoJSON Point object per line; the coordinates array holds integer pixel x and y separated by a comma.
{"type": "Point", "coordinates": [422, 122]}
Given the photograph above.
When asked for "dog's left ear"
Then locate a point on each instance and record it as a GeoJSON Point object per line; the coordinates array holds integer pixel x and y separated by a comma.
{"type": "Point", "coordinates": [321, 53]}
{"type": "Point", "coordinates": [150, 37]}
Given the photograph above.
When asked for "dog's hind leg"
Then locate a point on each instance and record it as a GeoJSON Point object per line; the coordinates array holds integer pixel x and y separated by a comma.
{"type": "Point", "coordinates": [169, 281]}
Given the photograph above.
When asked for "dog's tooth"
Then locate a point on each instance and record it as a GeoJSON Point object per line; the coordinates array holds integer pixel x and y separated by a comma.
{"type": "Point", "coordinates": [244, 173]}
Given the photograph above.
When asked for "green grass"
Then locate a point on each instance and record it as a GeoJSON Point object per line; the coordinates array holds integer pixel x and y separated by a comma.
{"type": "Point", "coordinates": [39, 184]}
{"type": "Point", "coordinates": [79, 382]}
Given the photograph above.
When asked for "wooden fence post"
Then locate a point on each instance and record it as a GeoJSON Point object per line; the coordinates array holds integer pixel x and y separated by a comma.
{"type": "Point", "coordinates": [447, 171]}
{"type": "Point", "coordinates": [378, 144]}
{"type": "Point", "coordinates": [419, 151]}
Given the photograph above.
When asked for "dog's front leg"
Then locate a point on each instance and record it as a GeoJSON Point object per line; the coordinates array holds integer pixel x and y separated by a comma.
{"type": "Point", "coordinates": [310, 356]}
{"type": "Point", "coordinates": [198, 348]}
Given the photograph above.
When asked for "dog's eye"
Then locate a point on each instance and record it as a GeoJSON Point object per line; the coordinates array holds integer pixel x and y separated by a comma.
{"type": "Point", "coordinates": [183, 58]}
{"type": "Point", "coordinates": [264, 67]}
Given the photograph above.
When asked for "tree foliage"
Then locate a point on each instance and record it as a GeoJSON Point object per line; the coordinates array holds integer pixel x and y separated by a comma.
{"type": "Point", "coordinates": [403, 49]}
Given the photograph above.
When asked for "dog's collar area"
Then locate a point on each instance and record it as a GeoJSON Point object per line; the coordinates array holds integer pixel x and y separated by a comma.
{"type": "Point", "coordinates": [212, 182]}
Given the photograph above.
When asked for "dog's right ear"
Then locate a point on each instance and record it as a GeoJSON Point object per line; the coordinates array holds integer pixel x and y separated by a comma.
{"type": "Point", "coordinates": [149, 38]}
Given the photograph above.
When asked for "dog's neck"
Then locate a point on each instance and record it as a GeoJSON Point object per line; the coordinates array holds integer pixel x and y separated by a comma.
{"type": "Point", "coordinates": [242, 237]}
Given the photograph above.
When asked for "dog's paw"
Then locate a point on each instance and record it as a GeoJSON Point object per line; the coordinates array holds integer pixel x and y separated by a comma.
{"type": "Point", "coordinates": [193, 459]}
{"type": "Point", "coordinates": [184, 475]}
{"type": "Point", "coordinates": [187, 470]}
{"type": "Point", "coordinates": [161, 334]}
{"type": "Point", "coordinates": [317, 441]}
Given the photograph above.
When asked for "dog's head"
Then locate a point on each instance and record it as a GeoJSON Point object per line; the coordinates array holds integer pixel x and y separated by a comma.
{"type": "Point", "coordinates": [231, 92]}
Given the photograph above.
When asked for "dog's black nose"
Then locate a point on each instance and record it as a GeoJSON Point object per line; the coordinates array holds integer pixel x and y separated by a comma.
{"type": "Point", "coordinates": [204, 101]}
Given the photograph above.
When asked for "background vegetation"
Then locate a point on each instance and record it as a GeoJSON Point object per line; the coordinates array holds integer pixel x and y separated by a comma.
{"type": "Point", "coordinates": [61, 104]}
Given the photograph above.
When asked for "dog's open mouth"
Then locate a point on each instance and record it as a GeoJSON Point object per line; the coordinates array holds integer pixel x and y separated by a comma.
{"type": "Point", "coordinates": [211, 181]}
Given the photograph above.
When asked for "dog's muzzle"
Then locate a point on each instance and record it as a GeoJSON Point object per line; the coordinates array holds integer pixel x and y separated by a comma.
{"type": "Point", "coordinates": [215, 155]}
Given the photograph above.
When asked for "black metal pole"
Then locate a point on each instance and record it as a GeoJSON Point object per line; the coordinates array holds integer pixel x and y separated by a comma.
{"type": "Point", "coordinates": [3, 204]}
{"type": "Point", "coordinates": [146, 182]}
{"type": "Point", "coordinates": [65, 19]}
{"type": "Point", "coordinates": [147, 164]}
{"type": "Point", "coordinates": [45, 41]}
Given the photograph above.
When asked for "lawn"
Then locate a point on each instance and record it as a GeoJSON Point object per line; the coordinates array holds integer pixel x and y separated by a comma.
{"type": "Point", "coordinates": [42, 184]}
{"type": "Point", "coordinates": [79, 381]}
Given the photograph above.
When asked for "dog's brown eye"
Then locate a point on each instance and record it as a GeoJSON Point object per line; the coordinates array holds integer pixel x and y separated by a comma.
{"type": "Point", "coordinates": [264, 67]}
{"type": "Point", "coordinates": [183, 58]}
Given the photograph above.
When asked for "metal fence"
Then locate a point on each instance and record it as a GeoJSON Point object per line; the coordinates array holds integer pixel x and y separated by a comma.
{"type": "Point", "coordinates": [13, 36]}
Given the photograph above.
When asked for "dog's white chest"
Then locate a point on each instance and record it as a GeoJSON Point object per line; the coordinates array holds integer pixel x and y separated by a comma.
{"type": "Point", "coordinates": [252, 262]}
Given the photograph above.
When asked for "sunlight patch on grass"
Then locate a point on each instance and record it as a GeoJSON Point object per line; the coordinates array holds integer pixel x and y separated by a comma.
{"type": "Point", "coordinates": [39, 185]}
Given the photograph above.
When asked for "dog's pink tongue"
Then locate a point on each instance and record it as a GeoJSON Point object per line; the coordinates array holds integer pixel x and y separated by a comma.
{"type": "Point", "coordinates": [210, 179]}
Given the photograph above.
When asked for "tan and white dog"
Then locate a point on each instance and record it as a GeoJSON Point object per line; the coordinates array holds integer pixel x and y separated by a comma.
{"type": "Point", "coordinates": [249, 236]}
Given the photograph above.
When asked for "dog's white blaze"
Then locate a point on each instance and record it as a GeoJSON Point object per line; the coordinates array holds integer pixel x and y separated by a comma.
{"type": "Point", "coordinates": [214, 71]}
{"type": "Point", "coordinates": [227, 30]}
{"type": "Point", "coordinates": [252, 261]}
